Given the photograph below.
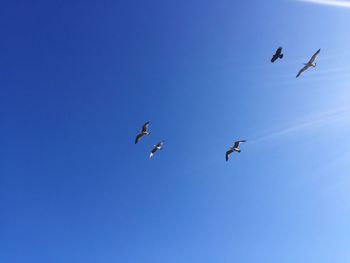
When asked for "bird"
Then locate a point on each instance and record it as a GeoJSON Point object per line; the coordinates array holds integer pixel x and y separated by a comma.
{"type": "Point", "coordinates": [144, 132]}
{"type": "Point", "coordinates": [310, 63]}
{"type": "Point", "coordinates": [234, 148]}
{"type": "Point", "coordinates": [158, 146]}
{"type": "Point", "coordinates": [278, 54]}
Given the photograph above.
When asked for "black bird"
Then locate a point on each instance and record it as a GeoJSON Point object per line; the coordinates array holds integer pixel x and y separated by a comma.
{"type": "Point", "coordinates": [158, 146]}
{"type": "Point", "coordinates": [144, 131]}
{"type": "Point", "coordinates": [310, 63]}
{"type": "Point", "coordinates": [278, 54]}
{"type": "Point", "coordinates": [234, 148]}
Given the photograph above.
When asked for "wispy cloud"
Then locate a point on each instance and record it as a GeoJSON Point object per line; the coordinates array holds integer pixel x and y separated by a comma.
{"type": "Point", "coordinates": [336, 3]}
{"type": "Point", "coordinates": [323, 119]}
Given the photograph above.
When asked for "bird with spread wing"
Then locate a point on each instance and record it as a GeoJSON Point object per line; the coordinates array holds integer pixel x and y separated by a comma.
{"type": "Point", "coordinates": [310, 63]}
{"type": "Point", "coordinates": [234, 148]}
{"type": "Point", "coordinates": [144, 132]}
{"type": "Point", "coordinates": [278, 54]}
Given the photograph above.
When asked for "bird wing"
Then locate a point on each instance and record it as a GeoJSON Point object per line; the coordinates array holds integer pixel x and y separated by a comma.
{"type": "Point", "coordinates": [228, 153]}
{"type": "Point", "coordinates": [151, 155]}
{"type": "Point", "coordinates": [274, 57]}
{"type": "Point", "coordinates": [302, 70]}
{"type": "Point", "coordinates": [145, 127]}
{"type": "Point", "coordinates": [154, 150]}
{"type": "Point", "coordinates": [312, 59]}
{"type": "Point", "coordinates": [237, 143]}
{"type": "Point", "coordinates": [138, 137]}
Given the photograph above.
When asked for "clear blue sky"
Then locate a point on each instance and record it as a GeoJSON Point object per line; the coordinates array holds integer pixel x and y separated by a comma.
{"type": "Point", "coordinates": [79, 78]}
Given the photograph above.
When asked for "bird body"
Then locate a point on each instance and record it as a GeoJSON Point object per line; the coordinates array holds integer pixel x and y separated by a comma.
{"type": "Point", "coordinates": [278, 54]}
{"type": "Point", "coordinates": [309, 64]}
{"type": "Point", "coordinates": [144, 132]}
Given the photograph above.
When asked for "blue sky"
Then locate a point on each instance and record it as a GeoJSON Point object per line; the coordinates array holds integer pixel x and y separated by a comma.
{"type": "Point", "coordinates": [79, 78]}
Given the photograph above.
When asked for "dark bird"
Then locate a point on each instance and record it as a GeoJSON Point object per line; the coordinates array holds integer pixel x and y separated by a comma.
{"type": "Point", "coordinates": [144, 131]}
{"type": "Point", "coordinates": [310, 63]}
{"type": "Point", "coordinates": [158, 146]}
{"type": "Point", "coordinates": [234, 148]}
{"type": "Point", "coordinates": [277, 55]}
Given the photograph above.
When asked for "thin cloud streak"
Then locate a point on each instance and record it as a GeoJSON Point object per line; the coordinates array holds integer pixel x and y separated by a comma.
{"type": "Point", "coordinates": [324, 119]}
{"type": "Point", "coordinates": [336, 3]}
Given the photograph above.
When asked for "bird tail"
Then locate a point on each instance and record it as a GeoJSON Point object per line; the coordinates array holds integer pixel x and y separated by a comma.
{"type": "Point", "coordinates": [151, 155]}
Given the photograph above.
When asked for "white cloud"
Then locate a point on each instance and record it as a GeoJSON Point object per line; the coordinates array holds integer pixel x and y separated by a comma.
{"type": "Point", "coordinates": [337, 3]}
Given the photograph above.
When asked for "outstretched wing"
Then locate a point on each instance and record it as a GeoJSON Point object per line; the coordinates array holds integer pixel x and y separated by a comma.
{"type": "Point", "coordinates": [312, 59]}
{"type": "Point", "coordinates": [153, 151]}
{"type": "Point", "coordinates": [302, 70]}
{"type": "Point", "coordinates": [274, 57]}
{"type": "Point", "coordinates": [237, 143]}
{"type": "Point", "coordinates": [228, 153]}
{"type": "Point", "coordinates": [145, 127]}
{"type": "Point", "coordinates": [138, 137]}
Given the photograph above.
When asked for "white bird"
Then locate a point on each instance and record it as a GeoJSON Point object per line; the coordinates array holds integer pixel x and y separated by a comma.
{"type": "Point", "coordinates": [144, 131]}
{"type": "Point", "coordinates": [158, 146]}
{"type": "Point", "coordinates": [234, 148]}
{"type": "Point", "coordinates": [310, 63]}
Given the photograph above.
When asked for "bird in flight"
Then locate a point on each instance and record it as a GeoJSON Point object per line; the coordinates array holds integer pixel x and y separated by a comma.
{"type": "Point", "coordinates": [234, 148]}
{"type": "Point", "coordinates": [158, 146]}
{"type": "Point", "coordinates": [310, 63]}
{"type": "Point", "coordinates": [278, 54]}
{"type": "Point", "coordinates": [144, 131]}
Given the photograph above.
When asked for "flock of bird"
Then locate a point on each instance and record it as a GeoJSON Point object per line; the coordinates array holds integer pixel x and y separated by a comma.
{"type": "Point", "coordinates": [235, 148]}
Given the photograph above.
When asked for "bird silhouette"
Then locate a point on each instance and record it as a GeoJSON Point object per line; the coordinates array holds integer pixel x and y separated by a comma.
{"type": "Point", "coordinates": [278, 54]}
{"type": "Point", "coordinates": [234, 148]}
{"type": "Point", "coordinates": [144, 132]}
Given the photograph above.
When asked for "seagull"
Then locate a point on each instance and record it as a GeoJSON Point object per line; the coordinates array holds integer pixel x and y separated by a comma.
{"type": "Point", "coordinates": [310, 63]}
{"type": "Point", "coordinates": [158, 146]}
{"type": "Point", "coordinates": [234, 148]}
{"type": "Point", "coordinates": [144, 131]}
{"type": "Point", "coordinates": [278, 54]}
